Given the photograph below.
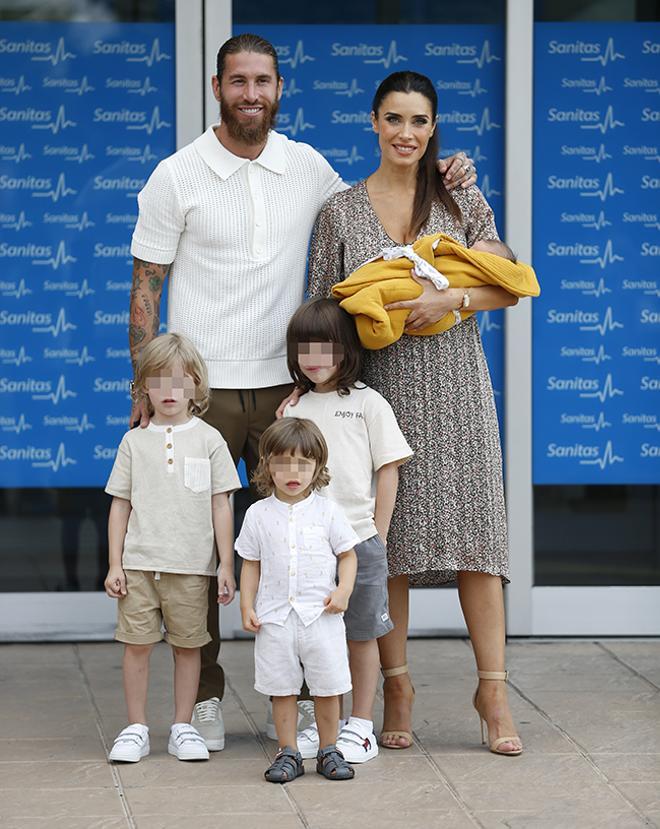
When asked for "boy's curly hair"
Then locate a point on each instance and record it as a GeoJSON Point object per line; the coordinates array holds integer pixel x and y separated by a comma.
{"type": "Point", "coordinates": [284, 437]}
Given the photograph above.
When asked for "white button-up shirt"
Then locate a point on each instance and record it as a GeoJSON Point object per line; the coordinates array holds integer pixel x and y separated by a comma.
{"type": "Point", "coordinates": [297, 545]}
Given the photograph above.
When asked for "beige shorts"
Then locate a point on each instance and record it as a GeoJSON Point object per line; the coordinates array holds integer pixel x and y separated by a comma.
{"type": "Point", "coordinates": [176, 600]}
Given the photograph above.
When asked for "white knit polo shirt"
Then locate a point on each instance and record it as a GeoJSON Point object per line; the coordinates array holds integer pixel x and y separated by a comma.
{"type": "Point", "coordinates": [236, 232]}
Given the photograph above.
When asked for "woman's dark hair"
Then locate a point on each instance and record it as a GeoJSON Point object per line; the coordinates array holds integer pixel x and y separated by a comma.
{"type": "Point", "coordinates": [245, 43]}
{"type": "Point", "coordinates": [323, 321]}
{"type": "Point", "coordinates": [430, 186]}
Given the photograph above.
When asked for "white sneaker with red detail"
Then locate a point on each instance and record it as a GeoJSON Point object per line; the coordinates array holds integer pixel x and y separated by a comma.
{"type": "Point", "coordinates": [131, 744]}
{"type": "Point", "coordinates": [357, 741]}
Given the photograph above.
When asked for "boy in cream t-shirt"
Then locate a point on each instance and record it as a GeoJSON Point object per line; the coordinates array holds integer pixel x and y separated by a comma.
{"type": "Point", "coordinates": [170, 485]}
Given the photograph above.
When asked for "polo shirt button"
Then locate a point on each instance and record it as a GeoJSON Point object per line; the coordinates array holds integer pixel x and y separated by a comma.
{"type": "Point", "coordinates": [170, 460]}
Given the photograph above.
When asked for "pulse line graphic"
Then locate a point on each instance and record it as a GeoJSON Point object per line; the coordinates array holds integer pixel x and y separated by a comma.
{"type": "Point", "coordinates": [352, 90]}
{"type": "Point", "coordinates": [61, 393]}
{"type": "Point", "coordinates": [599, 424]}
{"type": "Point", "coordinates": [352, 158]}
{"type": "Point", "coordinates": [601, 155]}
{"type": "Point", "coordinates": [60, 259]}
{"type": "Point", "coordinates": [299, 124]}
{"type": "Point", "coordinates": [59, 192]}
{"type": "Point", "coordinates": [486, 189]}
{"type": "Point", "coordinates": [20, 223]}
{"type": "Point", "coordinates": [20, 359]}
{"type": "Point", "coordinates": [20, 87]}
{"type": "Point", "coordinates": [608, 189]}
{"type": "Point", "coordinates": [608, 324]}
{"type": "Point", "coordinates": [83, 224]}
{"type": "Point", "coordinates": [599, 357]}
{"type": "Point", "coordinates": [83, 155]}
{"type": "Point", "coordinates": [21, 425]}
{"type": "Point", "coordinates": [145, 156]}
{"type": "Point", "coordinates": [600, 222]}
{"type": "Point", "coordinates": [289, 89]}
{"type": "Point", "coordinates": [608, 257]}
{"type": "Point", "coordinates": [19, 291]}
{"type": "Point", "coordinates": [84, 358]}
{"type": "Point", "coordinates": [391, 57]}
{"type": "Point", "coordinates": [600, 290]}
{"type": "Point", "coordinates": [59, 124]}
{"type": "Point", "coordinates": [297, 57]}
{"type": "Point", "coordinates": [145, 89]}
{"type": "Point", "coordinates": [475, 90]}
{"type": "Point", "coordinates": [608, 391]}
{"type": "Point", "coordinates": [59, 461]}
{"type": "Point", "coordinates": [84, 87]}
{"type": "Point", "coordinates": [154, 124]}
{"type": "Point", "coordinates": [61, 326]}
{"type": "Point", "coordinates": [81, 427]}
{"type": "Point", "coordinates": [21, 154]}
{"type": "Point", "coordinates": [609, 122]}
{"type": "Point", "coordinates": [59, 55]}
{"type": "Point", "coordinates": [485, 125]}
{"type": "Point", "coordinates": [610, 55]}
{"type": "Point", "coordinates": [600, 89]}
{"type": "Point", "coordinates": [484, 58]}
{"type": "Point", "coordinates": [608, 459]}
{"type": "Point", "coordinates": [486, 324]}
{"type": "Point", "coordinates": [154, 56]}
{"type": "Point", "coordinates": [81, 292]}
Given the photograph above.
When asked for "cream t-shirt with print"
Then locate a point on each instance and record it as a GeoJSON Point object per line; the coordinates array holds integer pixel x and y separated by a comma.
{"type": "Point", "coordinates": [362, 434]}
{"type": "Point", "coordinates": [169, 474]}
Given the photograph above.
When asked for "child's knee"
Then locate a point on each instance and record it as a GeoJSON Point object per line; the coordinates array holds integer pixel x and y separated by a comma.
{"type": "Point", "coordinates": [185, 653]}
{"type": "Point", "coordinates": [138, 651]}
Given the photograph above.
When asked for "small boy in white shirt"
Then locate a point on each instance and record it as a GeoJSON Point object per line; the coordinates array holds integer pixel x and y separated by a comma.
{"type": "Point", "coordinates": [170, 485]}
{"type": "Point", "coordinates": [295, 546]}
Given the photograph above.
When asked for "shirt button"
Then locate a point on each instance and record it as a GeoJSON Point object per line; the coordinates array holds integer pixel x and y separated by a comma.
{"type": "Point", "coordinates": [170, 460]}
{"type": "Point", "coordinates": [290, 599]}
{"type": "Point", "coordinates": [168, 446]}
{"type": "Point", "coordinates": [169, 429]}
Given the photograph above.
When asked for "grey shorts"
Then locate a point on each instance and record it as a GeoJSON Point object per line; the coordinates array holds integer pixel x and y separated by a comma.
{"type": "Point", "coordinates": [368, 614]}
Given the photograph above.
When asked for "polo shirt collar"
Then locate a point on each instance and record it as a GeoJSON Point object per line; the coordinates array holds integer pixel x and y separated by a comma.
{"type": "Point", "coordinates": [181, 427]}
{"type": "Point", "coordinates": [225, 163]}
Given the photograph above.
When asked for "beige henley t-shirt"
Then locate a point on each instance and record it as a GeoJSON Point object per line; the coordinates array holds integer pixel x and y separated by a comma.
{"type": "Point", "coordinates": [169, 474]}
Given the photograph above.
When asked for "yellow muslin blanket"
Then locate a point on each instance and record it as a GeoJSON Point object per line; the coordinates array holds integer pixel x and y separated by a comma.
{"type": "Point", "coordinates": [438, 258]}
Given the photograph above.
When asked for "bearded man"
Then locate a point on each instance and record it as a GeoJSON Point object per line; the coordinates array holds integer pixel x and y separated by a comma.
{"type": "Point", "coordinates": [229, 218]}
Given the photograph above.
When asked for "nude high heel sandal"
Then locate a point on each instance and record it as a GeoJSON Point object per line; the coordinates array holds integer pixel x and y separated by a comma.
{"type": "Point", "coordinates": [494, 746]}
{"type": "Point", "coordinates": [406, 735]}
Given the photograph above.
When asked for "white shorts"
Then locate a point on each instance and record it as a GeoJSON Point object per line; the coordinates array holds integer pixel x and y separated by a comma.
{"type": "Point", "coordinates": [285, 654]}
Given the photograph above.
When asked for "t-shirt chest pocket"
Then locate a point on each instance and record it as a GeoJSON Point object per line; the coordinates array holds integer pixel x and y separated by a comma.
{"type": "Point", "coordinates": [197, 474]}
{"type": "Point", "coordinates": [314, 539]}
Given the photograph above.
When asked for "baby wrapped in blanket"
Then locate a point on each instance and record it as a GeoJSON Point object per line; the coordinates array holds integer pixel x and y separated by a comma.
{"type": "Point", "coordinates": [439, 259]}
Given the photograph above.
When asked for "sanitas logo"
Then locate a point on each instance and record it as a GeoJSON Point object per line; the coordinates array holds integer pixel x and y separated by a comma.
{"type": "Point", "coordinates": [572, 183]}
{"type": "Point", "coordinates": [576, 383]}
{"type": "Point", "coordinates": [361, 117]}
{"type": "Point", "coordinates": [576, 249]}
{"type": "Point", "coordinates": [649, 383]}
{"type": "Point", "coordinates": [33, 183]}
{"type": "Point", "coordinates": [647, 249]}
{"type": "Point", "coordinates": [577, 115]}
{"type": "Point", "coordinates": [648, 317]}
{"type": "Point", "coordinates": [576, 450]}
{"type": "Point", "coordinates": [650, 115]}
{"type": "Point", "coordinates": [578, 316]}
{"type": "Point", "coordinates": [124, 47]}
{"type": "Point", "coordinates": [25, 47]}
{"type": "Point", "coordinates": [102, 251]}
{"type": "Point", "coordinates": [111, 318]}
{"type": "Point", "coordinates": [29, 385]}
{"type": "Point", "coordinates": [29, 115]}
{"type": "Point", "coordinates": [104, 453]}
{"type": "Point", "coordinates": [19, 251]}
{"type": "Point", "coordinates": [449, 50]}
{"type": "Point", "coordinates": [103, 386]}
{"type": "Point", "coordinates": [123, 183]}
{"type": "Point", "coordinates": [121, 116]}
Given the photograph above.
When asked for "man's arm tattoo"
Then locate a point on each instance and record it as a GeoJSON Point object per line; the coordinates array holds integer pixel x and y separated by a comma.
{"type": "Point", "coordinates": [144, 315]}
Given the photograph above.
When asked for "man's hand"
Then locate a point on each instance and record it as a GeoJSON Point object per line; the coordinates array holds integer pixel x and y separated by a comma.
{"type": "Point", "coordinates": [291, 400]}
{"type": "Point", "coordinates": [337, 601]}
{"type": "Point", "coordinates": [139, 414]}
{"type": "Point", "coordinates": [250, 621]}
{"type": "Point", "coordinates": [226, 586]}
{"type": "Point", "coordinates": [430, 307]}
{"type": "Point", "coordinates": [458, 170]}
{"type": "Point", "coordinates": [115, 583]}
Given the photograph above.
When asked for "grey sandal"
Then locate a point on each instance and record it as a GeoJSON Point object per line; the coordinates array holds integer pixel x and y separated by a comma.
{"type": "Point", "coordinates": [331, 764]}
{"type": "Point", "coordinates": [285, 767]}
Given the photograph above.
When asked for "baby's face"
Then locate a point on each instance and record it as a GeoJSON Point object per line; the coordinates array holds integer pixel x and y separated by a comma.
{"type": "Point", "coordinates": [484, 246]}
{"type": "Point", "coordinates": [292, 474]}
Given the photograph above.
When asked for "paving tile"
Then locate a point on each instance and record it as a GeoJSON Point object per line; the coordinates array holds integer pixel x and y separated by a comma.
{"type": "Point", "coordinates": [55, 775]}
{"type": "Point", "coordinates": [643, 656]}
{"type": "Point", "coordinates": [547, 784]}
{"type": "Point", "coordinates": [632, 767]}
{"type": "Point", "coordinates": [259, 799]}
{"type": "Point", "coordinates": [19, 656]}
{"type": "Point", "coordinates": [228, 819]}
{"type": "Point", "coordinates": [60, 803]}
{"type": "Point", "coordinates": [612, 722]}
{"type": "Point", "coordinates": [78, 721]}
{"type": "Point", "coordinates": [87, 747]}
{"type": "Point", "coordinates": [590, 819]}
{"type": "Point", "coordinates": [49, 822]}
{"type": "Point", "coordinates": [316, 796]}
{"type": "Point", "coordinates": [644, 794]}
{"type": "Point", "coordinates": [400, 819]}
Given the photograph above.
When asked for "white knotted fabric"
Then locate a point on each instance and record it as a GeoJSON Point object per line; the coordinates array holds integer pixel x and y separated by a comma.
{"type": "Point", "coordinates": [421, 268]}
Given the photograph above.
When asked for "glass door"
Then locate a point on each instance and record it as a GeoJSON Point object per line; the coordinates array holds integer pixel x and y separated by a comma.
{"type": "Point", "coordinates": [89, 108]}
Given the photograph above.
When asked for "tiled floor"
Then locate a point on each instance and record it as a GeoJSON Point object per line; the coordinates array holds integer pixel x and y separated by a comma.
{"type": "Point", "coordinates": [589, 714]}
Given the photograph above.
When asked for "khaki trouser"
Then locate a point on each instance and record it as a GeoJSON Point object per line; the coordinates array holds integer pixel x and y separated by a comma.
{"type": "Point", "coordinates": [241, 416]}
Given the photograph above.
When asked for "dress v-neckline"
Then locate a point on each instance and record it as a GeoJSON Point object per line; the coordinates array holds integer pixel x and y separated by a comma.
{"type": "Point", "coordinates": [380, 222]}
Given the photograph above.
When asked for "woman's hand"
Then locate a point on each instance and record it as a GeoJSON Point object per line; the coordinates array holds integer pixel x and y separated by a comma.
{"type": "Point", "coordinates": [458, 170]}
{"type": "Point", "coordinates": [291, 400]}
{"type": "Point", "coordinates": [430, 307]}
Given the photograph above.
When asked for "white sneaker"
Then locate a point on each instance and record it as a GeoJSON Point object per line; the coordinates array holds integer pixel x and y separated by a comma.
{"type": "Point", "coordinates": [357, 744]}
{"type": "Point", "coordinates": [309, 742]}
{"type": "Point", "coordinates": [131, 745]}
{"type": "Point", "coordinates": [186, 743]}
{"type": "Point", "coordinates": [305, 718]}
{"type": "Point", "coordinates": [207, 719]}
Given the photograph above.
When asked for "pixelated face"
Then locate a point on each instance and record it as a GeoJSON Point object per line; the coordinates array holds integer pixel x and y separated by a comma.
{"type": "Point", "coordinates": [170, 390]}
{"type": "Point", "coordinates": [292, 474]}
{"type": "Point", "coordinates": [320, 362]}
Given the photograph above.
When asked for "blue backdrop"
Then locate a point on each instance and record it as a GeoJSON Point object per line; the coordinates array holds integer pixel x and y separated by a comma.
{"type": "Point", "coordinates": [596, 247]}
{"type": "Point", "coordinates": [86, 112]}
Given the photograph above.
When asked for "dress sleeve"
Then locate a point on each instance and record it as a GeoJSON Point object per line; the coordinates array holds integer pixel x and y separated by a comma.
{"type": "Point", "coordinates": [478, 217]}
{"type": "Point", "coordinates": [326, 254]}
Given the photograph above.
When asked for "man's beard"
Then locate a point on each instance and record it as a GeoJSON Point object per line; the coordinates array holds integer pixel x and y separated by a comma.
{"type": "Point", "coordinates": [246, 132]}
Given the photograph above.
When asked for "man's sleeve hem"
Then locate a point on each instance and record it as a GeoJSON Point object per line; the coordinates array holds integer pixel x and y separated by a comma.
{"type": "Point", "coordinates": [158, 256]}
